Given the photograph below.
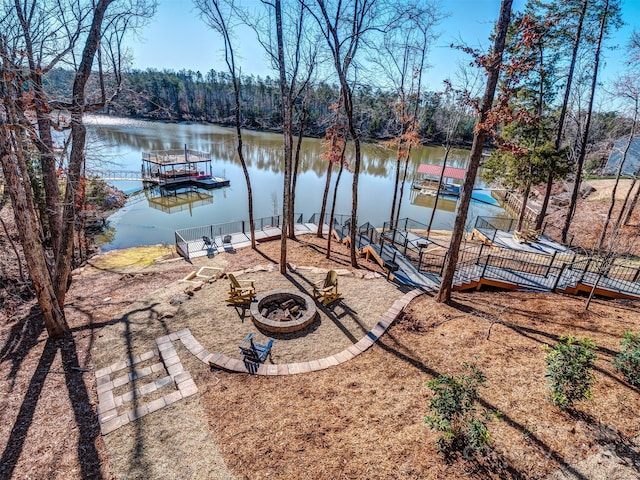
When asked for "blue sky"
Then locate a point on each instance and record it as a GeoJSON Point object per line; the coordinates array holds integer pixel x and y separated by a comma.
{"type": "Point", "coordinates": [176, 38]}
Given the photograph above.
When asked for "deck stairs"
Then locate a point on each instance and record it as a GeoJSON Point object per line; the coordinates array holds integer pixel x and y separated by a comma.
{"type": "Point", "coordinates": [397, 254]}
{"type": "Point", "coordinates": [499, 269]}
{"type": "Point", "coordinates": [563, 280]}
{"type": "Point", "coordinates": [407, 273]}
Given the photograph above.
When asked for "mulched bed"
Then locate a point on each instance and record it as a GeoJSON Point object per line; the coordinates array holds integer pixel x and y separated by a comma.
{"type": "Point", "coordinates": [364, 419]}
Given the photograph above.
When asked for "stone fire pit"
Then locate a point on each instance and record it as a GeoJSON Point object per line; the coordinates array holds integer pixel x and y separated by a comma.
{"type": "Point", "coordinates": [283, 311]}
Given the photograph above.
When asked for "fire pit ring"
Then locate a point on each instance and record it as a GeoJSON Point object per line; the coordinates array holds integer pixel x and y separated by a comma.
{"type": "Point", "coordinates": [303, 306]}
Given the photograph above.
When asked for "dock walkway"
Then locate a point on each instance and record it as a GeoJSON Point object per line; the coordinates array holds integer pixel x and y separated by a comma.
{"type": "Point", "coordinates": [548, 267]}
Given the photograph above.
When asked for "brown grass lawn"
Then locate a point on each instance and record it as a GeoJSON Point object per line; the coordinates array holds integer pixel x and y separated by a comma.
{"type": "Point", "coordinates": [364, 419]}
{"type": "Point", "coordinates": [360, 420]}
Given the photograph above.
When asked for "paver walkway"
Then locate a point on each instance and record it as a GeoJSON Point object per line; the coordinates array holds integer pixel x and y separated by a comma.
{"type": "Point", "coordinates": [115, 411]}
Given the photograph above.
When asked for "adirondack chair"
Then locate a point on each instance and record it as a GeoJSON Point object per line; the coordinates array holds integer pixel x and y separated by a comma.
{"type": "Point", "coordinates": [255, 352]}
{"type": "Point", "coordinates": [239, 294]}
{"type": "Point", "coordinates": [327, 292]}
{"type": "Point", "coordinates": [519, 236]}
{"type": "Point", "coordinates": [208, 245]}
{"type": "Point", "coordinates": [532, 235]}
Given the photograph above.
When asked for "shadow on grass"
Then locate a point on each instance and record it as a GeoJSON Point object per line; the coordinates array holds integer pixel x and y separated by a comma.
{"type": "Point", "coordinates": [138, 462]}
{"type": "Point", "coordinates": [494, 463]}
{"type": "Point", "coordinates": [85, 418]}
{"type": "Point", "coordinates": [330, 310]}
{"type": "Point", "coordinates": [23, 336]}
{"type": "Point", "coordinates": [537, 336]}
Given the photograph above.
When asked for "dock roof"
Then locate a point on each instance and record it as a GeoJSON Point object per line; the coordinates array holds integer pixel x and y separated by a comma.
{"type": "Point", "coordinates": [436, 170]}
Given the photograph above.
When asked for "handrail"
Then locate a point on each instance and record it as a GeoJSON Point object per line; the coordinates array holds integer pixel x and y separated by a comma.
{"type": "Point", "coordinates": [543, 269]}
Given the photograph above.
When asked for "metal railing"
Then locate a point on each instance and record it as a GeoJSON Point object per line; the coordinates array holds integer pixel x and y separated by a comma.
{"type": "Point", "coordinates": [341, 223]}
{"type": "Point", "coordinates": [406, 224]}
{"type": "Point", "coordinates": [495, 223]}
{"type": "Point", "coordinates": [186, 235]}
{"type": "Point", "coordinates": [536, 270]}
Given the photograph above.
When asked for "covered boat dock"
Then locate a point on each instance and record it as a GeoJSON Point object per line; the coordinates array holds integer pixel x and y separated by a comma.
{"type": "Point", "coordinates": [177, 168]}
{"type": "Point", "coordinates": [428, 176]}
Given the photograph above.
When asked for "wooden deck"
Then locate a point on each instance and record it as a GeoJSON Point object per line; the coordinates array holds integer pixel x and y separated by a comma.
{"type": "Point", "coordinates": [503, 239]}
{"type": "Point", "coordinates": [233, 241]}
{"type": "Point", "coordinates": [498, 271]}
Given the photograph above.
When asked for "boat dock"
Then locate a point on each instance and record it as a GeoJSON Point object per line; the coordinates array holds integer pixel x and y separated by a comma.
{"type": "Point", "coordinates": [176, 168]}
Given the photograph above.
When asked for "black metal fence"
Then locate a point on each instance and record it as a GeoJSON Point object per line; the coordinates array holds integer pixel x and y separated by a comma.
{"type": "Point", "coordinates": [341, 223]}
{"type": "Point", "coordinates": [186, 235]}
{"type": "Point", "coordinates": [474, 262]}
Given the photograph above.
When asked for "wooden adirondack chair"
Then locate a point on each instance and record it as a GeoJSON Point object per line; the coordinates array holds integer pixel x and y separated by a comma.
{"type": "Point", "coordinates": [239, 294]}
{"type": "Point", "coordinates": [327, 292]}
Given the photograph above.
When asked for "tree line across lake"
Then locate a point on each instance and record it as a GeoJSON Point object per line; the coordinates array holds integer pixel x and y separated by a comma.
{"type": "Point", "coordinates": [186, 95]}
{"type": "Point", "coordinates": [190, 96]}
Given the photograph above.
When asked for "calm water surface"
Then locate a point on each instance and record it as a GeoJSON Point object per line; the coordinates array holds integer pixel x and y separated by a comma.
{"type": "Point", "coordinates": [150, 218]}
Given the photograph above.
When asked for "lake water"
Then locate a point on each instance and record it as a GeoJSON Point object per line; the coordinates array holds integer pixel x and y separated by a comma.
{"type": "Point", "coordinates": [149, 218]}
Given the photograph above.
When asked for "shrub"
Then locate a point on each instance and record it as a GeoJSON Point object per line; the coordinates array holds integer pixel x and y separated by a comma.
{"type": "Point", "coordinates": [569, 370]}
{"type": "Point", "coordinates": [454, 412]}
{"type": "Point", "coordinates": [627, 361]}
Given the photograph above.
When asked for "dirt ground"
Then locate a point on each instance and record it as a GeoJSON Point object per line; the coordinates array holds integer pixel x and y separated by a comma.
{"type": "Point", "coordinates": [591, 213]}
{"type": "Point", "coordinates": [362, 419]}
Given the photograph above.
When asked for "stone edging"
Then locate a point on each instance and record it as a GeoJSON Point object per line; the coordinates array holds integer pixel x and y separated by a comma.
{"type": "Point", "coordinates": [112, 412]}
{"type": "Point", "coordinates": [112, 409]}
{"type": "Point", "coordinates": [224, 362]}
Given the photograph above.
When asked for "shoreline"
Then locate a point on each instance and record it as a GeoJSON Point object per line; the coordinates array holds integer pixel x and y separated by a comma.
{"type": "Point", "coordinates": [372, 140]}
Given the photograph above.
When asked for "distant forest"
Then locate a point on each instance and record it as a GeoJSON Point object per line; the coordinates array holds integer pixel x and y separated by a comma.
{"type": "Point", "coordinates": [191, 96]}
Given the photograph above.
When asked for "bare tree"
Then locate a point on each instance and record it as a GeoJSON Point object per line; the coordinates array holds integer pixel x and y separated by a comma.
{"type": "Point", "coordinates": [456, 101]}
{"type": "Point", "coordinates": [627, 88]}
{"type": "Point", "coordinates": [288, 41]}
{"type": "Point", "coordinates": [343, 26]}
{"type": "Point", "coordinates": [563, 110]}
{"type": "Point", "coordinates": [402, 58]}
{"type": "Point", "coordinates": [334, 147]}
{"type": "Point", "coordinates": [608, 16]}
{"type": "Point", "coordinates": [493, 64]}
{"type": "Point", "coordinates": [28, 117]}
{"type": "Point", "coordinates": [217, 15]}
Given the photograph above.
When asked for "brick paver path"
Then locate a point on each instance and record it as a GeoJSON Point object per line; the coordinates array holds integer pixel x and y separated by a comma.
{"type": "Point", "coordinates": [115, 411]}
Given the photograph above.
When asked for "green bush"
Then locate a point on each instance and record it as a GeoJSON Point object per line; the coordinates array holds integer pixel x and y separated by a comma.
{"type": "Point", "coordinates": [627, 361]}
{"type": "Point", "coordinates": [454, 411]}
{"type": "Point", "coordinates": [569, 370]}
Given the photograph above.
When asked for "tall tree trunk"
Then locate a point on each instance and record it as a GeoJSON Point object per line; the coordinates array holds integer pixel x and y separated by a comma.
{"type": "Point", "coordinates": [294, 177]}
{"type": "Point", "coordinates": [632, 206]}
{"type": "Point", "coordinates": [395, 189]}
{"type": "Point", "coordinates": [354, 190]}
{"type": "Point", "coordinates": [287, 129]}
{"type": "Point", "coordinates": [447, 149]}
{"type": "Point", "coordinates": [402, 181]}
{"type": "Point", "coordinates": [219, 23]}
{"type": "Point", "coordinates": [77, 155]}
{"type": "Point", "coordinates": [625, 204]}
{"type": "Point", "coordinates": [325, 196]}
{"type": "Point", "coordinates": [563, 113]}
{"type": "Point", "coordinates": [30, 235]}
{"type": "Point", "coordinates": [333, 204]}
{"type": "Point", "coordinates": [44, 140]}
{"type": "Point", "coordinates": [523, 210]}
{"type": "Point", "coordinates": [444, 294]}
{"type": "Point", "coordinates": [585, 134]}
{"type": "Point", "coordinates": [243, 163]}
